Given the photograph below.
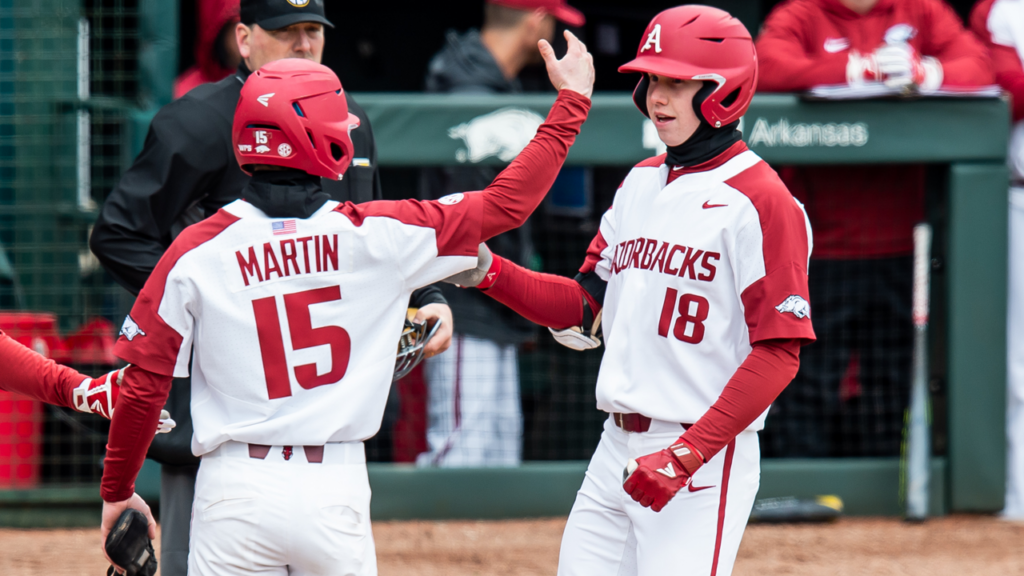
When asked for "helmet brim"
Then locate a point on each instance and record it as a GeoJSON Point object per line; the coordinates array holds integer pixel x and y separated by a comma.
{"type": "Point", "coordinates": [661, 67]}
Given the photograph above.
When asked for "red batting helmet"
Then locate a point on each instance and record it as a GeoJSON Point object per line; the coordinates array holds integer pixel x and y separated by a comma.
{"type": "Point", "coordinates": [293, 113]}
{"type": "Point", "coordinates": [699, 43]}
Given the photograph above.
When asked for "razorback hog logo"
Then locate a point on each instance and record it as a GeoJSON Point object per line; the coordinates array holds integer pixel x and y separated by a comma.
{"type": "Point", "coordinates": [130, 329]}
{"type": "Point", "coordinates": [796, 306]}
{"type": "Point", "coordinates": [502, 133]}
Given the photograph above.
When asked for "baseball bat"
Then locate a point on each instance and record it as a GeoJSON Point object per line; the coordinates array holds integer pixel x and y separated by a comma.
{"type": "Point", "coordinates": [918, 429]}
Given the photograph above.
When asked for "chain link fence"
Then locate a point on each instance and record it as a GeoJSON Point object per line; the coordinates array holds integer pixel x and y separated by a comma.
{"type": "Point", "coordinates": [68, 75]}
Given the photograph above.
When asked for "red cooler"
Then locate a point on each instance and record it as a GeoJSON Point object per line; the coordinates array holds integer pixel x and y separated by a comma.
{"type": "Point", "coordinates": [21, 418]}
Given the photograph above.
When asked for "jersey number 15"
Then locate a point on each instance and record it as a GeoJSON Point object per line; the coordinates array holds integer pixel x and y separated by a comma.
{"type": "Point", "coordinates": [303, 335]}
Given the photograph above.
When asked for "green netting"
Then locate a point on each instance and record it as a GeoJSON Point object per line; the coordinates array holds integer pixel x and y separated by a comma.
{"type": "Point", "coordinates": [68, 72]}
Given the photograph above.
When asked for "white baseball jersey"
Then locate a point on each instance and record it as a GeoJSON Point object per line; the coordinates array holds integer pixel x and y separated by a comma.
{"type": "Point", "coordinates": [294, 322]}
{"type": "Point", "coordinates": [1006, 25]}
{"type": "Point", "coordinates": [697, 270]}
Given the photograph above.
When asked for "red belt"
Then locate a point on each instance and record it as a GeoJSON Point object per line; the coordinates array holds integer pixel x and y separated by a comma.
{"type": "Point", "coordinates": [314, 454]}
{"type": "Point", "coordinates": [632, 422]}
{"type": "Point", "coordinates": [635, 422]}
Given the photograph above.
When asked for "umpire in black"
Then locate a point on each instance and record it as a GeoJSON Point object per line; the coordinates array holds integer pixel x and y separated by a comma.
{"type": "Point", "coordinates": [185, 173]}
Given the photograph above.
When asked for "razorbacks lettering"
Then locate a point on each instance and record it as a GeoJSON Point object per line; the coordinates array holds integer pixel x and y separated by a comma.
{"type": "Point", "coordinates": [672, 259]}
{"type": "Point", "coordinates": [282, 258]}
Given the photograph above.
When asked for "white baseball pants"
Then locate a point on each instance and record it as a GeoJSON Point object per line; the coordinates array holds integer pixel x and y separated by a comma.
{"type": "Point", "coordinates": [475, 416]}
{"type": "Point", "coordinates": [282, 517]}
{"type": "Point", "coordinates": [698, 533]}
{"type": "Point", "coordinates": [1015, 363]}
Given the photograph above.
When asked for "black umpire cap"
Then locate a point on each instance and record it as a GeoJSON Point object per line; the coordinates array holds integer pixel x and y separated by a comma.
{"type": "Point", "coordinates": [276, 14]}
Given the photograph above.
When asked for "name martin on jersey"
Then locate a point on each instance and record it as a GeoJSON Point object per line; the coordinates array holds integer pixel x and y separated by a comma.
{"type": "Point", "coordinates": [672, 259]}
{"type": "Point", "coordinates": [291, 256]}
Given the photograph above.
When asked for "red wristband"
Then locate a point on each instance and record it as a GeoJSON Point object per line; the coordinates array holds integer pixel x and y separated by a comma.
{"type": "Point", "coordinates": [492, 273]}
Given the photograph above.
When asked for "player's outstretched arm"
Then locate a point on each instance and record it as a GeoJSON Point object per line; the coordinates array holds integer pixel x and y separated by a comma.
{"type": "Point", "coordinates": [28, 373]}
{"type": "Point", "coordinates": [521, 187]}
{"type": "Point", "coordinates": [31, 374]}
{"type": "Point", "coordinates": [566, 307]}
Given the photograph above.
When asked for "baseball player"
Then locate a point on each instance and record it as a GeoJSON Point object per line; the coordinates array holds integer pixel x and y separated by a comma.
{"type": "Point", "coordinates": [292, 304]}
{"type": "Point", "coordinates": [185, 173]}
{"type": "Point", "coordinates": [699, 272]}
{"type": "Point", "coordinates": [1000, 26]}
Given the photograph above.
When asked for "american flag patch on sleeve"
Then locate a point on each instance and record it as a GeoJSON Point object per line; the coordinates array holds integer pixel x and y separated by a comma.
{"type": "Point", "coordinates": [283, 227]}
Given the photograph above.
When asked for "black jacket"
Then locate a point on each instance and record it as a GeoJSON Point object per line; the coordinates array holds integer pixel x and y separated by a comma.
{"type": "Point", "coordinates": [465, 66]}
{"type": "Point", "coordinates": [185, 173]}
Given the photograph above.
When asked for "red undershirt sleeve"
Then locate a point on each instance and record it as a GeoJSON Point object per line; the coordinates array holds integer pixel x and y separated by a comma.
{"type": "Point", "coordinates": [28, 373]}
{"type": "Point", "coordinates": [545, 299]}
{"type": "Point", "coordinates": [143, 395]}
{"type": "Point", "coordinates": [519, 189]}
{"type": "Point", "coordinates": [769, 368]}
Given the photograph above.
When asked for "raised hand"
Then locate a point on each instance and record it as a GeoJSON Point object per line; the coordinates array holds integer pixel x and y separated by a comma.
{"type": "Point", "coordinates": [575, 71]}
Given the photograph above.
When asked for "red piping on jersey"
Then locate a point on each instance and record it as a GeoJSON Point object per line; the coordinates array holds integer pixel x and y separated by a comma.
{"type": "Point", "coordinates": [726, 471]}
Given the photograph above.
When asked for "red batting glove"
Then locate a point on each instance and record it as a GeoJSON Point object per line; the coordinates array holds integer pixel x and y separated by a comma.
{"type": "Point", "coordinates": [98, 395]}
{"type": "Point", "coordinates": [654, 479]}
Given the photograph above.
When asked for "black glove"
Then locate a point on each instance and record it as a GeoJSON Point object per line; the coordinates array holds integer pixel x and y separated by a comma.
{"type": "Point", "coordinates": [129, 546]}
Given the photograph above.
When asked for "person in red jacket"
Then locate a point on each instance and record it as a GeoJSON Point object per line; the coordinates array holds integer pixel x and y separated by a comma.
{"type": "Point", "coordinates": [999, 24]}
{"type": "Point", "coordinates": [216, 49]}
{"type": "Point", "coordinates": [862, 216]}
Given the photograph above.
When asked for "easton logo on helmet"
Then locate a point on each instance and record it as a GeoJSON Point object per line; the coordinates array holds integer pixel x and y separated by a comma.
{"type": "Point", "coordinates": [653, 39]}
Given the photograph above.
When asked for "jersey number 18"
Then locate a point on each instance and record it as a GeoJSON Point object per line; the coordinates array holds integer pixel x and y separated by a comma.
{"type": "Point", "coordinates": [686, 318]}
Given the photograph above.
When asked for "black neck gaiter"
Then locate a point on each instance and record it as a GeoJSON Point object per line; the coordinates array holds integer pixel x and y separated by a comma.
{"type": "Point", "coordinates": [707, 142]}
{"type": "Point", "coordinates": [282, 193]}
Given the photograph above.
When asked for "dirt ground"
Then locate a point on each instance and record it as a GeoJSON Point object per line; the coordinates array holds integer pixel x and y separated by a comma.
{"type": "Point", "coordinates": [958, 545]}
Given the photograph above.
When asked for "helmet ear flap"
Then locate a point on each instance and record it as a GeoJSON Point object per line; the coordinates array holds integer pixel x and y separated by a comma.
{"type": "Point", "coordinates": [640, 94]}
{"type": "Point", "coordinates": [700, 97]}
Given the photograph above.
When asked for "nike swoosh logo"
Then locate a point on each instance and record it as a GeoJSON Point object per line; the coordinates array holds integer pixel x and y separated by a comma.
{"type": "Point", "coordinates": [833, 45]}
{"type": "Point", "coordinates": [707, 205]}
{"type": "Point", "coordinates": [693, 488]}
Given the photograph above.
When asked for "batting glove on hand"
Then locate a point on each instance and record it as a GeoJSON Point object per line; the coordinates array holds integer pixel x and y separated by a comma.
{"type": "Point", "coordinates": [99, 395]}
{"type": "Point", "coordinates": [897, 66]}
{"type": "Point", "coordinates": [654, 479]}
